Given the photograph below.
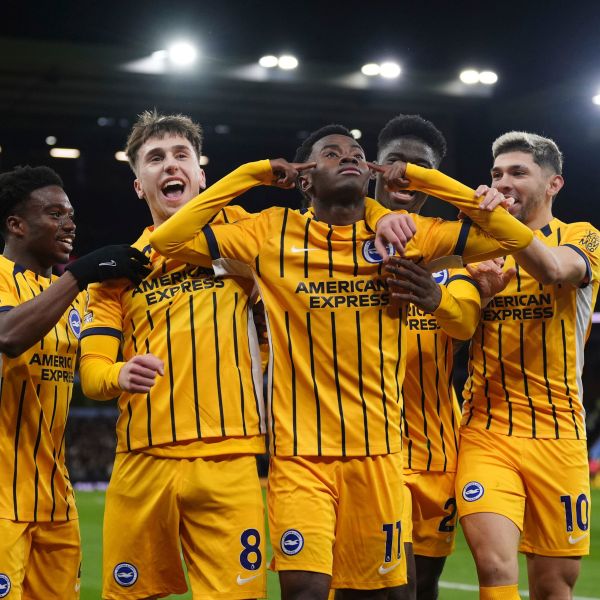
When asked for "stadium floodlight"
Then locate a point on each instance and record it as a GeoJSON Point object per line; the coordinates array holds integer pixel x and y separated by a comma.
{"type": "Point", "coordinates": [356, 133]}
{"type": "Point", "coordinates": [370, 69]}
{"type": "Point", "coordinates": [64, 153]}
{"type": "Point", "coordinates": [488, 77]}
{"type": "Point", "coordinates": [121, 156]}
{"type": "Point", "coordinates": [182, 54]}
{"type": "Point", "coordinates": [204, 160]}
{"type": "Point", "coordinates": [51, 140]}
{"type": "Point", "coordinates": [389, 70]}
{"type": "Point", "coordinates": [269, 61]}
{"type": "Point", "coordinates": [287, 62]}
{"type": "Point", "coordinates": [596, 99]}
{"type": "Point", "coordinates": [469, 76]}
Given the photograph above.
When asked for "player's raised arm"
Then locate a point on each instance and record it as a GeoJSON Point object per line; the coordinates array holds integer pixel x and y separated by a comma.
{"type": "Point", "coordinates": [181, 236]}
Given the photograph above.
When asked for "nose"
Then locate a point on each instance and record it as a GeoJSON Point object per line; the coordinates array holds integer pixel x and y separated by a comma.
{"type": "Point", "coordinates": [68, 224]}
{"type": "Point", "coordinates": [170, 163]}
{"type": "Point", "coordinates": [349, 158]}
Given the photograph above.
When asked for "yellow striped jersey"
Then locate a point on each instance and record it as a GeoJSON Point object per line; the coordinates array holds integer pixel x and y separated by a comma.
{"type": "Point", "coordinates": [431, 415]}
{"type": "Point", "coordinates": [337, 346]}
{"type": "Point", "coordinates": [526, 356]}
{"type": "Point", "coordinates": [35, 393]}
{"type": "Point", "coordinates": [201, 327]}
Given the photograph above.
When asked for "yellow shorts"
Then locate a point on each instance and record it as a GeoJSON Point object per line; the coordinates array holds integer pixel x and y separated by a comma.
{"type": "Point", "coordinates": [40, 560]}
{"type": "Point", "coordinates": [542, 485]}
{"type": "Point", "coordinates": [339, 516]}
{"type": "Point", "coordinates": [211, 507]}
{"type": "Point", "coordinates": [430, 512]}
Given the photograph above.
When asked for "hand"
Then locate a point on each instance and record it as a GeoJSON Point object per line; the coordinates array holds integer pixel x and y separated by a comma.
{"type": "Point", "coordinates": [492, 198]}
{"type": "Point", "coordinates": [395, 228]}
{"type": "Point", "coordinates": [110, 262]}
{"type": "Point", "coordinates": [285, 173]}
{"type": "Point", "coordinates": [138, 374]}
{"type": "Point", "coordinates": [393, 175]}
{"type": "Point", "coordinates": [490, 278]}
{"type": "Point", "coordinates": [413, 283]}
{"type": "Point", "coordinates": [260, 322]}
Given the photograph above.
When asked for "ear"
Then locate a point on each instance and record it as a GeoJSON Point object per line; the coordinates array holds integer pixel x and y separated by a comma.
{"type": "Point", "coordinates": [304, 183]}
{"type": "Point", "coordinates": [16, 226]}
{"type": "Point", "coordinates": [555, 184]}
{"type": "Point", "coordinates": [202, 179]}
{"type": "Point", "coordinates": [137, 186]}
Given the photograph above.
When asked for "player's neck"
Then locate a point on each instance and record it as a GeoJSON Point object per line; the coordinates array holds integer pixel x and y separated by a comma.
{"type": "Point", "coordinates": [540, 219]}
{"type": "Point", "coordinates": [26, 260]}
{"type": "Point", "coordinates": [339, 214]}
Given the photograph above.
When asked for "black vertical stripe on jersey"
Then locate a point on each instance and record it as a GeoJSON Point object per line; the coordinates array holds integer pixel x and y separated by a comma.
{"type": "Point", "coordinates": [194, 370]}
{"type": "Point", "coordinates": [54, 407]}
{"type": "Point", "coordinates": [237, 362]}
{"type": "Point", "coordinates": [525, 381]}
{"type": "Point", "coordinates": [148, 404]}
{"type": "Point", "coordinates": [129, 417]}
{"type": "Point", "coordinates": [518, 277]}
{"type": "Point", "coordinates": [463, 236]}
{"type": "Point", "coordinates": [425, 429]}
{"type": "Point", "coordinates": [293, 375]}
{"type": "Point", "coordinates": [38, 439]}
{"type": "Point", "coordinates": [1, 384]}
{"type": "Point", "coordinates": [54, 468]}
{"type": "Point", "coordinates": [218, 365]}
{"type": "Point", "coordinates": [57, 339]}
{"type": "Point", "coordinates": [558, 236]}
{"type": "Point", "coordinates": [406, 429]}
{"type": "Point", "coordinates": [450, 375]}
{"type": "Point", "coordinates": [17, 435]}
{"type": "Point", "coordinates": [306, 228]}
{"type": "Point", "coordinates": [360, 383]}
{"type": "Point", "coordinates": [399, 355]}
{"type": "Point", "coordinates": [61, 449]}
{"type": "Point", "coordinates": [314, 379]}
{"type": "Point", "coordinates": [15, 271]}
{"type": "Point", "coordinates": [548, 390]}
{"type": "Point", "coordinates": [150, 321]}
{"type": "Point", "coordinates": [503, 380]}
{"type": "Point", "coordinates": [171, 378]}
{"type": "Point", "coordinates": [354, 257]}
{"type": "Point", "coordinates": [282, 244]}
{"type": "Point", "coordinates": [469, 391]}
{"type": "Point", "coordinates": [257, 266]}
{"type": "Point", "coordinates": [565, 377]}
{"type": "Point", "coordinates": [437, 392]}
{"type": "Point", "coordinates": [68, 337]}
{"type": "Point", "coordinates": [486, 389]}
{"type": "Point", "coordinates": [225, 217]}
{"type": "Point", "coordinates": [382, 383]}
{"type": "Point", "coordinates": [133, 338]}
{"type": "Point", "coordinates": [337, 383]}
{"type": "Point", "coordinates": [330, 251]}
{"type": "Point", "coordinates": [261, 424]}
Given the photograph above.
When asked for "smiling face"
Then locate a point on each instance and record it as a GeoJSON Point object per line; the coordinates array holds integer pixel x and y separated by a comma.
{"type": "Point", "coordinates": [341, 173]}
{"type": "Point", "coordinates": [407, 149]}
{"type": "Point", "coordinates": [168, 175]}
{"type": "Point", "coordinates": [516, 174]}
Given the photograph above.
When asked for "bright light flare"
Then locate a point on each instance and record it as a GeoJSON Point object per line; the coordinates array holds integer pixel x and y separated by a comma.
{"type": "Point", "coordinates": [469, 76]}
{"type": "Point", "coordinates": [356, 133]}
{"type": "Point", "coordinates": [371, 69]}
{"type": "Point", "coordinates": [488, 77]}
{"type": "Point", "coordinates": [268, 62]}
{"type": "Point", "coordinates": [121, 156]}
{"type": "Point", "coordinates": [204, 160]}
{"type": "Point", "coordinates": [182, 54]}
{"type": "Point", "coordinates": [596, 99]}
{"type": "Point", "coordinates": [51, 140]}
{"type": "Point", "coordinates": [64, 153]}
{"type": "Point", "coordinates": [287, 62]}
{"type": "Point", "coordinates": [390, 70]}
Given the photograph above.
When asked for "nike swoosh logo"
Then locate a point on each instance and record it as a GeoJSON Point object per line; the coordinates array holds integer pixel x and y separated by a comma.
{"type": "Point", "coordinates": [242, 580]}
{"type": "Point", "coordinates": [573, 540]}
{"type": "Point", "coordinates": [383, 570]}
{"type": "Point", "coordinates": [110, 263]}
{"type": "Point", "coordinates": [296, 249]}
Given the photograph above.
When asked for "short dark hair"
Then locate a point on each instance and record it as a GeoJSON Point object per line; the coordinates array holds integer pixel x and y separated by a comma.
{"type": "Point", "coordinates": [413, 126]}
{"type": "Point", "coordinates": [303, 151]}
{"type": "Point", "coordinates": [18, 184]}
{"type": "Point", "coordinates": [152, 124]}
{"type": "Point", "coordinates": [544, 151]}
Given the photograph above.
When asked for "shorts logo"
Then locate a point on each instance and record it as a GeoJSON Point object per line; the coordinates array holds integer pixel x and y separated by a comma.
{"type": "Point", "coordinates": [370, 253]}
{"type": "Point", "coordinates": [75, 322]}
{"type": "Point", "coordinates": [472, 491]}
{"type": "Point", "coordinates": [440, 277]}
{"type": "Point", "coordinates": [125, 574]}
{"type": "Point", "coordinates": [5, 585]}
{"type": "Point", "coordinates": [291, 542]}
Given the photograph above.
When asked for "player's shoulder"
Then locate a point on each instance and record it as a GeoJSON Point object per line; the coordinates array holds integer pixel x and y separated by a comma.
{"type": "Point", "coordinates": [231, 214]}
{"type": "Point", "coordinates": [7, 267]}
{"type": "Point", "coordinates": [580, 233]}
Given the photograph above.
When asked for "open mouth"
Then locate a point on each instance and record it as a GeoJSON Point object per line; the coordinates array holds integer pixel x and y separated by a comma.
{"type": "Point", "coordinates": [350, 171]}
{"type": "Point", "coordinates": [67, 243]}
{"type": "Point", "coordinates": [173, 189]}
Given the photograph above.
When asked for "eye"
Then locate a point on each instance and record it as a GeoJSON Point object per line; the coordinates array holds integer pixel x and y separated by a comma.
{"type": "Point", "coordinates": [155, 158]}
{"type": "Point", "coordinates": [181, 155]}
{"type": "Point", "coordinates": [331, 154]}
{"type": "Point", "coordinates": [496, 175]}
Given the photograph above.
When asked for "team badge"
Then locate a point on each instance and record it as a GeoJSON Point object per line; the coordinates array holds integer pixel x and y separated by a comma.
{"type": "Point", "coordinates": [5, 585]}
{"type": "Point", "coordinates": [440, 277]}
{"type": "Point", "coordinates": [75, 322]}
{"type": "Point", "coordinates": [591, 241]}
{"type": "Point", "coordinates": [472, 491]}
{"type": "Point", "coordinates": [370, 253]}
{"type": "Point", "coordinates": [125, 574]}
{"type": "Point", "coordinates": [291, 542]}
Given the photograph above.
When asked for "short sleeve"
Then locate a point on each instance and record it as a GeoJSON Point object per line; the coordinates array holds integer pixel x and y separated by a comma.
{"type": "Point", "coordinates": [584, 239]}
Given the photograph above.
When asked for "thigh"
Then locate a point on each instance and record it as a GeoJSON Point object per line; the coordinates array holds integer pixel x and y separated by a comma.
{"type": "Point", "coordinates": [488, 479]}
{"type": "Point", "coordinates": [302, 501]}
{"type": "Point", "coordinates": [434, 512]}
{"type": "Point", "coordinates": [222, 528]}
{"type": "Point", "coordinates": [141, 552]}
{"type": "Point", "coordinates": [557, 513]}
{"type": "Point", "coordinates": [368, 553]}
{"type": "Point", "coordinates": [54, 567]}
{"type": "Point", "coordinates": [15, 545]}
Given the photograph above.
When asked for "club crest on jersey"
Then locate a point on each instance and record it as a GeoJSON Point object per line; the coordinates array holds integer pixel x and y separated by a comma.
{"type": "Point", "coordinates": [292, 542]}
{"type": "Point", "coordinates": [5, 585]}
{"type": "Point", "coordinates": [75, 322]}
{"type": "Point", "coordinates": [472, 491]}
{"type": "Point", "coordinates": [370, 253]}
{"type": "Point", "coordinates": [440, 277]}
{"type": "Point", "coordinates": [125, 574]}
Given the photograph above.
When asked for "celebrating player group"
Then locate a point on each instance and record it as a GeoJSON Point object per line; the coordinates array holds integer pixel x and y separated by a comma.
{"type": "Point", "coordinates": [372, 464]}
